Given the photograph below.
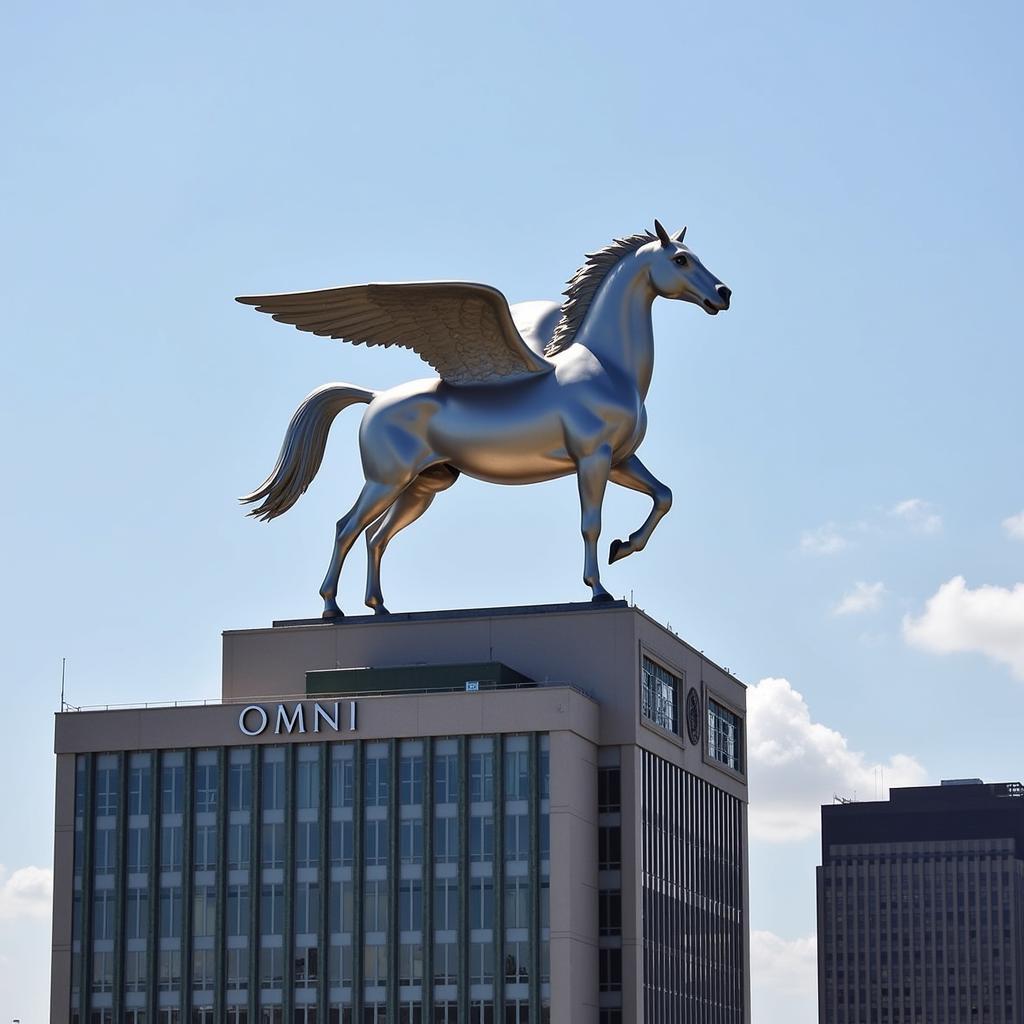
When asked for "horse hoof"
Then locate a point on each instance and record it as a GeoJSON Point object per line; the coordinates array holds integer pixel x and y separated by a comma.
{"type": "Point", "coordinates": [615, 552]}
{"type": "Point", "coordinates": [602, 598]}
{"type": "Point", "coordinates": [332, 611]}
{"type": "Point", "coordinates": [381, 610]}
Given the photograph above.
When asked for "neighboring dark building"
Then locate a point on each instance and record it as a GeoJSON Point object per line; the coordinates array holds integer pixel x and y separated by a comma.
{"type": "Point", "coordinates": [921, 907]}
{"type": "Point", "coordinates": [500, 816]}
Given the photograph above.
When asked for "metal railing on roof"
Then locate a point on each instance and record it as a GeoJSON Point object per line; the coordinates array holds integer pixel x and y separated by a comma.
{"type": "Point", "coordinates": [485, 686]}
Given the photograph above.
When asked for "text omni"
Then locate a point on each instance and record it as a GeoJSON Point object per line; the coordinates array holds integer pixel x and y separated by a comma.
{"type": "Point", "coordinates": [255, 719]}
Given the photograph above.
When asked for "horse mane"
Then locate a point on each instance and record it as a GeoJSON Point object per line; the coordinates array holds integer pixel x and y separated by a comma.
{"type": "Point", "coordinates": [583, 286]}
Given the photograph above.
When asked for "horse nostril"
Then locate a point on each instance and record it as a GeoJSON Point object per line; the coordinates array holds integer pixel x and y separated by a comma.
{"type": "Point", "coordinates": [724, 292]}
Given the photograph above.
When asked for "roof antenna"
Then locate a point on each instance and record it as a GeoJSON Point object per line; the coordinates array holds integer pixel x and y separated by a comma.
{"type": "Point", "coordinates": [63, 665]}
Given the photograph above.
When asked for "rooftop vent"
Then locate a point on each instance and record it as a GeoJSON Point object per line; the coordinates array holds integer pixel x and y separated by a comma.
{"type": "Point", "coordinates": [962, 782]}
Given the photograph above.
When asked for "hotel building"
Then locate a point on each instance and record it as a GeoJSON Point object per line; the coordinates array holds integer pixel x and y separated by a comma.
{"type": "Point", "coordinates": [500, 816]}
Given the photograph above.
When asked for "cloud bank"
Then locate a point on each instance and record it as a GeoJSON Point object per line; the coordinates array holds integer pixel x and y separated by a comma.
{"type": "Point", "coordinates": [783, 976]}
{"type": "Point", "coordinates": [27, 892]}
{"type": "Point", "coordinates": [797, 764]}
{"type": "Point", "coordinates": [825, 540]}
{"type": "Point", "coordinates": [1014, 526]}
{"type": "Point", "coordinates": [918, 514]}
{"type": "Point", "coordinates": [988, 620]}
{"type": "Point", "coordinates": [865, 597]}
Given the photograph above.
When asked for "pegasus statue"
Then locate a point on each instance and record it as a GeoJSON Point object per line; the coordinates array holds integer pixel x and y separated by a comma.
{"type": "Point", "coordinates": [524, 393]}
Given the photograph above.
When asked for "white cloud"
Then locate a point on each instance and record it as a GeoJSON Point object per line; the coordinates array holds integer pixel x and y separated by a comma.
{"type": "Point", "coordinates": [796, 765]}
{"type": "Point", "coordinates": [825, 540]}
{"type": "Point", "coordinates": [988, 620]}
{"type": "Point", "coordinates": [918, 514]}
{"type": "Point", "coordinates": [1014, 526]}
{"type": "Point", "coordinates": [783, 978]}
{"type": "Point", "coordinates": [27, 892]}
{"type": "Point", "coordinates": [865, 597]}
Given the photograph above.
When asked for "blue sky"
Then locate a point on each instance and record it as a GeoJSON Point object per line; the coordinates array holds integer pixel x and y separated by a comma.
{"type": "Point", "coordinates": [852, 173]}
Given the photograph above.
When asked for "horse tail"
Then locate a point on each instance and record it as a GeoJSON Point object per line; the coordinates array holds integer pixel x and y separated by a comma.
{"type": "Point", "coordinates": [303, 448]}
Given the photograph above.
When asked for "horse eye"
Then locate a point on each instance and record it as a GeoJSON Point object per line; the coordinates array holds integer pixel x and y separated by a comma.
{"type": "Point", "coordinates": [679, 260]}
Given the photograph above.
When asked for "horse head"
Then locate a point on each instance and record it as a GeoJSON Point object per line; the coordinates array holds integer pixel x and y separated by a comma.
{"type": "Point", "coordinates": [676, 273]}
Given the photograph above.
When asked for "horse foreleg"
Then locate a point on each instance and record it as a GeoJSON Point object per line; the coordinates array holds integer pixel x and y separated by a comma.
{"type": "Point", "coordinates": [592, 477]}
{"type": "Point", "coordinates": [632, 473]}
{"type": "Point", "coordinates": [373, 500]}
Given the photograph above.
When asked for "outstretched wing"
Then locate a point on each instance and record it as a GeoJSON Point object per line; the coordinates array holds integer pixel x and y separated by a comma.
{"type": "Point", "coordinates": [465, 331]}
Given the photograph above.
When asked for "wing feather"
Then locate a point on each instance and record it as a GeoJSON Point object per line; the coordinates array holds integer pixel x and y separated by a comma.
{"type": "Point", "coordinates": [463, 330]}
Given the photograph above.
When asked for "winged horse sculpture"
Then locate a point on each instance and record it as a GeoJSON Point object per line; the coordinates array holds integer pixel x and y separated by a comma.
{"type": "Point", "coordinates": [525, 393]}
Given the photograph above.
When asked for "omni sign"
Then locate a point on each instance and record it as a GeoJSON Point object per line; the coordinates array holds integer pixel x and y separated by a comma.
{"type": "Point", "coordinates": [255, 719]}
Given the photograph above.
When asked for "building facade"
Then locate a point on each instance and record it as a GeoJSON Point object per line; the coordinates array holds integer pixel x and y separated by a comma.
{"type": "Point", "coordinates": [921, 907]}
{"type": "Point", "coordinates": [508, 816]}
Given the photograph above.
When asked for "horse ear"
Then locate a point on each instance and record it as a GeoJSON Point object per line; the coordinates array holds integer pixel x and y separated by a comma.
{"type": "Point", "coordinates": [679, 235]}
{"type": "Point", "coordinates": [662, 234]}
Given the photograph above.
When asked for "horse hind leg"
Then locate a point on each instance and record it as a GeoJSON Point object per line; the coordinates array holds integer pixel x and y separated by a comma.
{"type": "Point", "coordinates": [410, 505]}
{"type": "Point", "coordinates": [374, 499]}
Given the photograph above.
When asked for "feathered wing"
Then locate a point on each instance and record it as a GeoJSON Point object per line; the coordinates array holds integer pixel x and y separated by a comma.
{"type": "Point", "coordinates": [464, 331]}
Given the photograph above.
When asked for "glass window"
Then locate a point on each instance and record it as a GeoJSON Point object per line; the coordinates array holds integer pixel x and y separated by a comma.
{"type": "Point", "coordinates": [609, 790]}
{"type": "Point", "coordinates": [517, 903]}
{"type": "Point", "coordinates": [410, 971]}
{"type": "Point", "coordinates": [446, 964]}
{"type": "Point", "coordinates": [138, 784]}
{"type": "Point", "coordinates": [238, 910]}
{"type": "Point", "coordinates": [446, 904]}
{"type": "Point", "coordinates": [138, 849]}
{"type": "Point", "coordinates": [206, 782]}
{"type": "Point", "coordinates": [170, 847]}
{"type": "Point", "coordinates": [205, 848]}
{"type": "Point", "coordinates": [446, 840]}
{"type": "Point", "coordinates": [307, 907]}
{"type": "Point", "coordinates": [481, 776]}
{"type": "Point", "coordinates": [271, 967]}
{"type": "Point", "coordinates": [103, 914]}
{"type": "Point", "coordinates": [169, 970]}
{"type": "Point", "coordinates": [272, 783]}
{"type": "Point", "coordinates": [376, 781]}
{"type": "Point", "coordinates": [342, 842]}
{"type": "Point", "coordinates": [375, 965]}
{"type": "Point", "coordinates": [238, 968]}
{"type": "Point", "coordinates": [609, 845]}
{"type": "Point", "coordinates": [307, 847]}
{"type": "Point", "coordinates": [481, 963]}
{"type": "Point", "coordinates": [446, 778]}
{"type": "Point", "coordinates": [342, 777]}
{"type": "Point", "coordinates": [170, 912]}
{"type": "Point", "coordinates": [517, 837]}
{"type": "Point", "coordinates": [273, 844]}
{"type": "Point", "coordinates": [410, 905]}
{"type": "Point", "coordinates": [172, 787]}
{"type": "Point", "coordinates": [517, 775]}
{"type": "Point", "coordinates": [481, 838]}
{"type": "Point", "coordinates": [341, 906]}
{"type": "Point", "coordinates": [238, 846]}
{"type": "Point", "coordinates": [307, 783]}
{"type": "Point", "coordinates": [411, 779]}
{"type": "Point", "coordinates": [204, 910]}
{"type": "Point", "coordinates": [376, 842]}
{"type": "Point", "coordinates": [659, 691]}
{"type": "Point", "coordinates": [137, 914]}
{"type": "Point", "coordinates": [240, 781]}
{"type": "Point", "coordinates": [725, 738]}
{"type": "Point", "coordinates": [106, 785]}
{"type": "Point", "coordinates": [412, 840]}
{"type": "Point", "coordinates": [375, 905]}
{"type": "Point", "coordinates": [272, 908]}
{"type": "Point", "coordinates": [481, 903]}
